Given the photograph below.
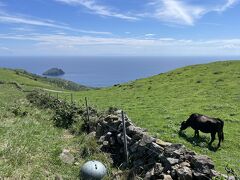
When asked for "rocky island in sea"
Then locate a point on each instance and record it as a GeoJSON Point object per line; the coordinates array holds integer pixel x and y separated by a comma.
{"type": "Point", "coordinates": [54, 72]}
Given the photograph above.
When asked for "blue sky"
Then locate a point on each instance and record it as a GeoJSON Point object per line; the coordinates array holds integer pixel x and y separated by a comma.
{"type": "Point", "coordinates": [120, 27]}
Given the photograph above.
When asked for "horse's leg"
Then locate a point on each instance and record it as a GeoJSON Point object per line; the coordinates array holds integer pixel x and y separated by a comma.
{"type": "Point", "coordinates": [212, 137]}
{"type": "Point", "coordinates": [196, 134]}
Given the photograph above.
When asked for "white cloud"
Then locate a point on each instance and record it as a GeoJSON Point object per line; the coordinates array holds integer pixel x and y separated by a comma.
{"type": "Point", "coordinates": [149, 35]}
{"type": "Point", "coordinates": [227, 5]}
{"type": "Point", "coordinates": [182, 12]}
{"type": "Point", "coordinates": [16, 19]}
{"type": "Point", "coordinates": [98, 9]}
{"type": "Point", "coordinates": [178, 12]}
{"type": "Point", "coordinates": [89, 45]}
{"type": "Point", "coordinates": [4, 49]}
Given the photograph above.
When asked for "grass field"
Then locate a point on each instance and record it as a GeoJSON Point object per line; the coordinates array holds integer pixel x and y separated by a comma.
{"type": "Point", "coordinates": [159, 103]}
{"type": "Point", "coordinates": [30, 144]}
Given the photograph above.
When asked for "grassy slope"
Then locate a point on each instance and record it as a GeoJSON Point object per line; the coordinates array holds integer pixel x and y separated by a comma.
{"type": "Point", "coordinates": [27, 82]}
{"type": "Point", "coordinates": [161, 102]}
{"type": "Point", "coordinates": [30, 145]}
{"type": "Point", "coordinates": [158, 103]}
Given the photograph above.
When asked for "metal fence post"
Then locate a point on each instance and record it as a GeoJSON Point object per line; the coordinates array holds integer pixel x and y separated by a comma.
{"type": "Point", "coordinates": [87, 109]}
{"type": "Point", "coordinates": [125, 138]}
{"type": "Point", "coordinates": [71, 98]}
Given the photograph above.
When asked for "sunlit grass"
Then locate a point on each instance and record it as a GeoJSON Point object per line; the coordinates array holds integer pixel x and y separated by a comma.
{"type": "Point", "coordinates": [160, 103]}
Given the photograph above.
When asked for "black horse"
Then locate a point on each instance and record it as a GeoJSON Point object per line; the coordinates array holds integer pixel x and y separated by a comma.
{"type": "Point", "coordinates": [205, 124]}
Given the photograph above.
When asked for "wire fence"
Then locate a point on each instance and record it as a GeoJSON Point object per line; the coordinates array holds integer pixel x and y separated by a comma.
{"type": "Point", "coordinates": [70, 98]}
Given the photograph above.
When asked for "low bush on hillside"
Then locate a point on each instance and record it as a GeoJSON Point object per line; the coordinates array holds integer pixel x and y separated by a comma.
{"type": "Point", "coordinates": [19, 111]}
{"type": "Point", "coordinates": [65, 114]}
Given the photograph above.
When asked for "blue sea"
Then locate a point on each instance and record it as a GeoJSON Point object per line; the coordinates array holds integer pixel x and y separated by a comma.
{"type": "Point", "coordinates": [104, 71]}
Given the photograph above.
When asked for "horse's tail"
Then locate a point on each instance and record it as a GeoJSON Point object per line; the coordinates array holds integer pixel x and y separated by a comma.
{"type": "Point", "coordinates": [221, 129]}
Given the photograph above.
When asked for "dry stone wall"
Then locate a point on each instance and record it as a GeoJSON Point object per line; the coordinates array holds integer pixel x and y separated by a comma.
{"type": "Point", "coordinates": [149, 158]}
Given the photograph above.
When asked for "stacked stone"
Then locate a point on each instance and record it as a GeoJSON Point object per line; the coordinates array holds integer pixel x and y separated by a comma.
{"type": "Point", "coordinates": [149, 157]}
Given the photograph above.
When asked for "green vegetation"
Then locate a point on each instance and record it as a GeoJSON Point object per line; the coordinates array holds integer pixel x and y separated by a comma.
{"type": "Point", "coordinates": [160, 103]}
{"type": "Point", "coordinates": [60, 83]}
{"type": "Point", "coordinates": [54, 72]}
{"type": "Point", "coordinates": [29, 81]}
{"type": "Point", "coordinates": [30, 144]}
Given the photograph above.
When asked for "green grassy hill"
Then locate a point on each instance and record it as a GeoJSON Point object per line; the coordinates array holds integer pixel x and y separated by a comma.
{"type": "Point", "coordinates": [30, 81]}
{"type": "Point", "coordinates": [160, 103]}
{"type": "Point", "coordinates": [30, 144]}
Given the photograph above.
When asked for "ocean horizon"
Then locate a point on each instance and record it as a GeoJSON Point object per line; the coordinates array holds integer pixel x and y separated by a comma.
{"type": "Point", "coordinates": [105, 71]}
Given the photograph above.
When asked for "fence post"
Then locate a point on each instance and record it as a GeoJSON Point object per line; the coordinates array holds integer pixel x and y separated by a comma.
{"type": "Point", "coordinates": [86, 103]}
{"type": "Point", "coordinates": [125, 139]}
{"type": "Point", "coordinates": [71, 98]}
{"type": "Point", "coordinates": [57, 95]}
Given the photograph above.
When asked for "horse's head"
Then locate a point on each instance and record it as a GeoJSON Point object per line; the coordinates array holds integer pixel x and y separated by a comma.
{"type": "Point", "coordinates": [183, 126]}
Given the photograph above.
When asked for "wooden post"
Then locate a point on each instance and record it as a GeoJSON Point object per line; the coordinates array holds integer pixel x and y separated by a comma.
{"type": "Point", "coordinates": [57, 95]}
{"type": "Point", "coordinates": [86, 103]}
{"type": "Point", "coordinates": [49, 95]}
{"type": "Point", "coordinates": [71, 98]}
{"type": "Point", "coordinates": [125, 138]}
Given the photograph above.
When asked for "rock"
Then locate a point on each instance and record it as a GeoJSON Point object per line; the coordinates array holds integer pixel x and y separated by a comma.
{"type": "Point", "coordinates": [156, 148]}
{"type": "Point", "coordinates": [99, 130]}
{"type": "Point", "coordinates": [133, 148]}
{"type": "Point", "coordinates": [136, 132]}
{"type": "Point", "coordinates": [108, 135]}
{"type": "Point", "coordinates": [67, 157]}
{"type": "Point", "coordinates": [105, 143]}
{"type": "Point", "coordinates": [146, 139]}
{"type": "Point", "coordinates": [184, 173]}
{"type": "Point", "coordinates": [101, 139]}
{"type": "Point", "coordinates": [114, 126]}
{"type": "Point", "coordinates": [112, 141]}
{"type": "Point", "coordinates": [167, 177]}
{"type": "Point", "coordinates": [149, 174]}
{"type": "Point", "coordinates": [92, 134]}
{"type": "Point", "coordinates": [151, 161]}
{"type": "Point", "coordinates": [185, 164]}
{"type": "Point", "coordinates": [137, 163]}
{"type": "Point", "coordinates": [158, 169]}
{"type": "Point", "coordinates": [162, 143]}
{"type": "Point", "coordinates": [119, 112]}
{"type": "Point", "coordinates": [179, 152]}
{"type": "Point", "coordinates": [224, 176]}
{"type": "Point", "coordinates": [174, 150]}
{"type": "Point", "coordinates": [231, 178]}
{"type": "Point", "coordinates": [141, 151]}
{"type": "Point", "coordinates": [54, 72]}
{"type": "Point", "coordinates": [172, 161]}
{"type": "Point", "coordinates": [200, 176]}
{"type": "Point", "coordinates": [167, 166]}
{"type": "Point", "coordinates": [214, 173]}
{"type": "Point", "coordinates": [120, 138]}
{"type": "Point", "coordinates": [202, 164]}
{"type": "Point", "coordinates": [111, 118]}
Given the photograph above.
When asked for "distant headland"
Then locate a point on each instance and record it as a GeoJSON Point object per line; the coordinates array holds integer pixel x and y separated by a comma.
{"type": "Point", "coordinates": [54, 72]}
